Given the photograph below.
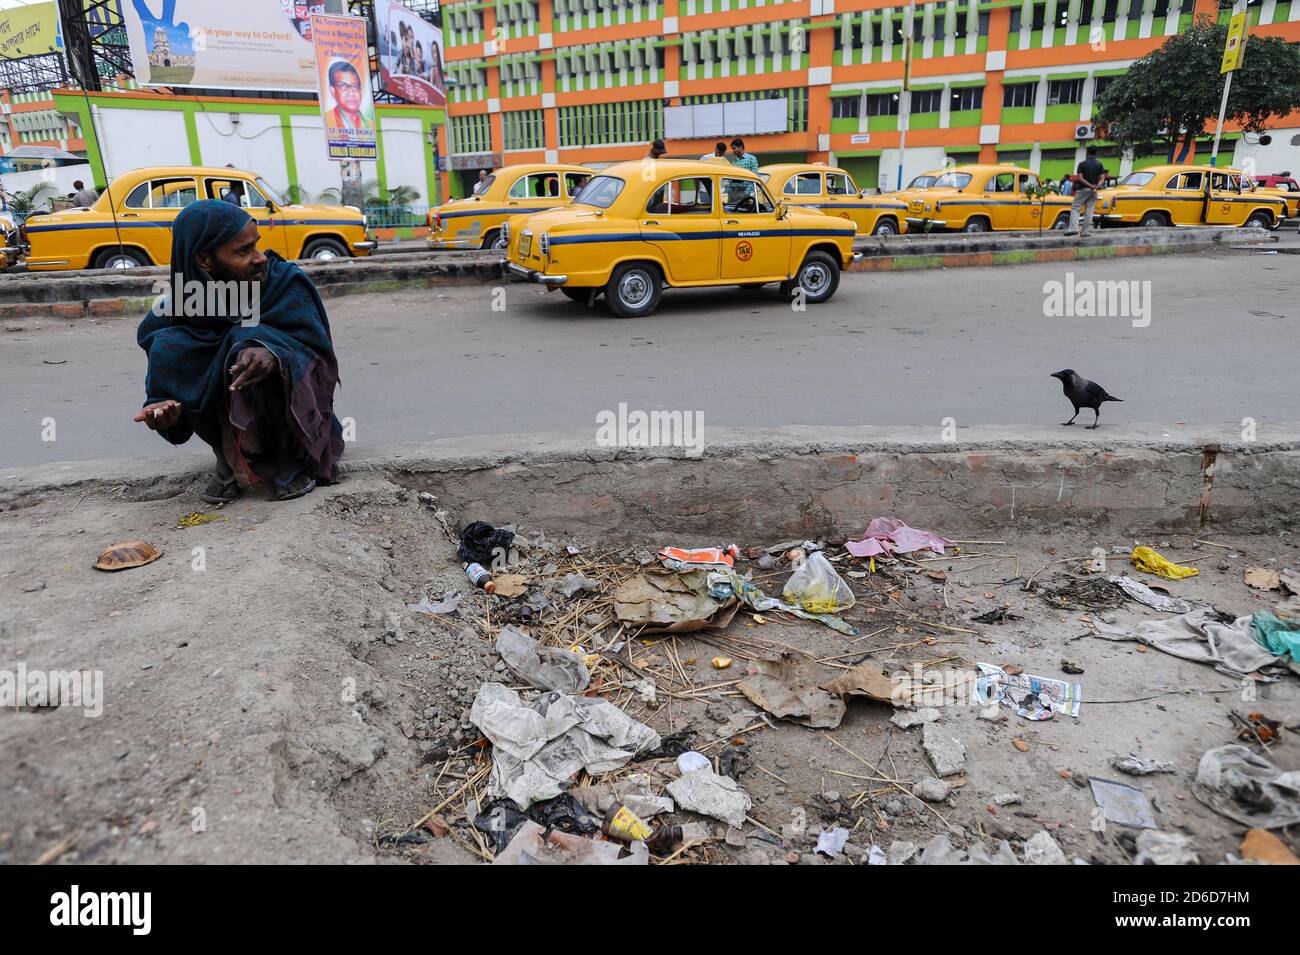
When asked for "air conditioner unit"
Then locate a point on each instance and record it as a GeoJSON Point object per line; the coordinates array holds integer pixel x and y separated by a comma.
{"type": "Point", "coordinates": [1085, 131]}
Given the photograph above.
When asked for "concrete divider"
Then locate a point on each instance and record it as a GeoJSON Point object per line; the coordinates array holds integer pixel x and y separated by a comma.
{"type": "Point", "coordinates": [90, 293]}
{"type": "Point", "coordinates": [802, 481]}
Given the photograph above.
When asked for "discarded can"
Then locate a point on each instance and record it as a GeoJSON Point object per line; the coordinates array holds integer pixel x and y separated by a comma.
{"type": "Point", "coordinates": [624, 825]}
{"type": "Point", "coordinates": [480, 576]}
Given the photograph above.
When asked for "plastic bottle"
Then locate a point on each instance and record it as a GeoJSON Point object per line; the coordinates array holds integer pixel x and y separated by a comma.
{"type": "Point", "coordinates": [480, 576]}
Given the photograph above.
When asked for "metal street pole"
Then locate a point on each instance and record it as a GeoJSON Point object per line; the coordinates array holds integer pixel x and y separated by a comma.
{"type": "Point", "coordinates": [905, 98]}
{"type": "Point", "coordinates": [450, 84]}
{"type": "Point", "coordinates": [1234, 49]}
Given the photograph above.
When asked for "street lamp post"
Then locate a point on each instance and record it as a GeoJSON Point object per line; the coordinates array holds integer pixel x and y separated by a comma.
{"type": "Point", "coordinates": [905, 98]}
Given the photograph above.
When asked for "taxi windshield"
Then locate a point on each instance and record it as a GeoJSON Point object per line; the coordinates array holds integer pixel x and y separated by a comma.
{"type": "Point", "coordinates": [270, 193]}
{"type": "Point", "coordinates": [1137, 179]}
{"type": "Point", "coordinates": [953, 180]}
{"type": "Point", "coordinates": [922, 182]}
{"type": "Point", "coordinates": [600, 192]}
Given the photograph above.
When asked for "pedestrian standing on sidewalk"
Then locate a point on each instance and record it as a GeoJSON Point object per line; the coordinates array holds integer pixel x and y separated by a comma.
{"type": "Point", "coordinates": [1087, 182]}
{"type": "Point", "coordinates": [741, 158]}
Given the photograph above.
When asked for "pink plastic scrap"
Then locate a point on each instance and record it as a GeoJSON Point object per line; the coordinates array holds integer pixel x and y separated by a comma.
{"type": "Point", "coordinates": [887, 536]}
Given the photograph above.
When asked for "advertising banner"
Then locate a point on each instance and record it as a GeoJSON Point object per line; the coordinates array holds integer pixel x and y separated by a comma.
{"type": "Point", "coordinates": [343, 77]}
{"type": "Point", "coordinates": [410, 54]}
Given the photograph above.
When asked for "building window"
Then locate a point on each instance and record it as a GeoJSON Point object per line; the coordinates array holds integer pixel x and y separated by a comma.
{"type": "Point", "coordinates": [523, 129]}
{"type": "Point", "coordinates": [1100, 83]}
{"type": "Point", "coordinates": [1020, 94]}
{"type": "Point", "coordinates": [637, 121]}
{"type": "Point", "coordinates": [471, 134]}
{"type": "Point", "coordinates": [1110, 13]}
{"type": "Point", "coordinates": [846, 107]}
{"type": "Point", "coordinates": [882, 104]}
{"type": "Point", "coordinates": [1161, 9]}
{"type": "Point", "coordinates": [968, 97]}
{"type": "Point", "coordinates": [1064, 92]}
{"type": "Point", "coordinates": [926, 101]}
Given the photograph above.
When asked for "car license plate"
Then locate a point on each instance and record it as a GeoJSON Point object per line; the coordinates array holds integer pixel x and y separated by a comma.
{"type": "Point", "coordinates": [916, 205]}
{"type": "Point", "coordinates": [525, 244]}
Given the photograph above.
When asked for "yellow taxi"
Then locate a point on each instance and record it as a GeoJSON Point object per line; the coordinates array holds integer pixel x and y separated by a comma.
{"type": "Point", "coordinates": [639, 226]}
{"type": "Point", "coordinates": [475, 221]}
{"type": "Point", "coordinates": [833, 191]}
{"type": "Point", "coordinates": [1286, 190]}
{"type": "Point", "coordinates": [130, 224]}
{"type": "Point", "coordinates": [1188, 195]}
{"type": "Point", "coordinates": [924, 181]}
{"type": "Point", "coordinates": [982, 198]}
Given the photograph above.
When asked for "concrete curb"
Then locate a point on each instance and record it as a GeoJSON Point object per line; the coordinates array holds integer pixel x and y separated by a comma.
{"type": "Point", "coordinates": [801, 480]}
{"type": "Point", "coordinates": [82, 294]}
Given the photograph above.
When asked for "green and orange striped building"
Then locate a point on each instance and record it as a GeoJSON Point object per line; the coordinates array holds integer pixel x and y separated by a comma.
{"type": "Point", "coordinates": [593, 81]}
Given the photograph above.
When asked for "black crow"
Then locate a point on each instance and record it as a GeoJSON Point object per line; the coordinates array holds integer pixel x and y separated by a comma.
{"type": "Point", "coordinates": [1083, 394]}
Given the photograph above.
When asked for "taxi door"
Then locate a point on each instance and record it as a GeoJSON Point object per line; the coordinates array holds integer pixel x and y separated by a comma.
{"type": "Point", "coordinates": [1184, 197]}
{"type": "Point", "coordinates": [272, 225]}
{"type": "Point", "coordinates": [535, 192]}
{"type": "Point", "coordinates": [1223, 207]}
{"type": "Point", "coordinates": [1028, 212]}
{"type": "Point", "coordinates": [150, 210]}
{"type": "Point", "coordinates": [681, 221]}
{"type": "Point", "coordinates": [841, 199]}
{"type": "Point", "coordinates": [803, 189]}
{"type": "Point", "coordinates": [1005, 205]}
{"type": "Point", "coordinates": [755, 244]}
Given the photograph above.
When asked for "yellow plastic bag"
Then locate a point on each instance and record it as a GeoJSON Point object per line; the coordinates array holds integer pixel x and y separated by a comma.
{"type": "Point", "coordinates": [1148, 561]}
{"type": "Point", "coordinates": [816, 587]}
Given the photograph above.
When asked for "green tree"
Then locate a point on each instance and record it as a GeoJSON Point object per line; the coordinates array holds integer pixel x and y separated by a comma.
{"type": "Point", "coordinates": [1170, 96]}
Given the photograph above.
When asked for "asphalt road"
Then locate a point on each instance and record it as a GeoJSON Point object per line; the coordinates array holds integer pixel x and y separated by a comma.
{"type": "Point", "coordinates": [907, 349]}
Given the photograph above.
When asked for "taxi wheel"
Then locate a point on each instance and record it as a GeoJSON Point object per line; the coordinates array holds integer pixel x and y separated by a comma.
{"type": "Point", "coordinates": [885, 227]}
{"type": "Point", "coordinates": [1062, 222]}
{"type": "Point", "coordinates": [819, 277]}
{"type": "Point", "coordinates": [977, 224]}
{"type": "Point", "coordinates": [121, 259]}
{"type": "Point", "coordinates": [634, 289]}
{"type": "Point", "coordinates": [1259, 220]}
{"type": "Point", "coordinates": [1154, 220]}
{"type": "Point", "coordinates": [323, 250]}
{"type": "Point", "coordinates": [495, 240]}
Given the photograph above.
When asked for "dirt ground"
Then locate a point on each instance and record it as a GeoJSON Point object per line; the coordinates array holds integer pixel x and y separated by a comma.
{"type": "Point", "coordinates": [268, 698]}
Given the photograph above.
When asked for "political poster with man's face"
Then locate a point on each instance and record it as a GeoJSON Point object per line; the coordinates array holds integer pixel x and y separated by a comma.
{"type": "Point", "coordinates": [347, 108]}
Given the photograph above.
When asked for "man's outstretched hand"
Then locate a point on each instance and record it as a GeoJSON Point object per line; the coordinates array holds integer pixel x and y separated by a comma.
{"type": "Point", "coordinates": [160, 415]}
{"type": "Point", "coordinates": [250, 367]}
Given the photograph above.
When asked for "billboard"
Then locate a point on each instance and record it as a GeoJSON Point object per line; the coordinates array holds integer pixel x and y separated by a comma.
{"type": "Point", "coordinates": [343, 76]}
{"type": "Point", "coordinates": [233, 44]}
{"type": "Point", "coordinates": [32, 30]}
{"type": "Point", "coordinates": [410, 54]}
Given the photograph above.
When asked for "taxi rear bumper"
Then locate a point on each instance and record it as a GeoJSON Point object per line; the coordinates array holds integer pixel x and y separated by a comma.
{"type": "Point", "coordinates": [532, 275]}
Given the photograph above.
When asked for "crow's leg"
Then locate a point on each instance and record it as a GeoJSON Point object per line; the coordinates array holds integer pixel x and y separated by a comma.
{"type": "Point", "coordinates": [1071, 421]}
{"type": "Point", "coordinates": [1096, 411]}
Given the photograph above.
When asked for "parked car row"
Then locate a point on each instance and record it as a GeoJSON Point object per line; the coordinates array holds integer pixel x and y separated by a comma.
{"type": "Point", "coordinates": [130, 224]}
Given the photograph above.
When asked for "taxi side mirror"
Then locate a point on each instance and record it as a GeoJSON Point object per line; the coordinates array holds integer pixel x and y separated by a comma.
{"type": "Point", "coordinates": [782, 210]}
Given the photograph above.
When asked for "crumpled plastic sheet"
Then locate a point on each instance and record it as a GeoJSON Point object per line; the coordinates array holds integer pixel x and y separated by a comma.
{"type": "Point", "coordinates": [728, 584]}
{"type": "Point", "coordinates": [1147, 560]}
{"type": "Point", "coordinates": [1237, 782]}
{"type": "Point", "coordinates": [709, 794]}
{"type": "Point", "coordinates": [546, 668]}
{"type": "Point", "coordinates": [887, 536]}
{"type": "Point", "coordinates": [1145, 595]}
{"type": "Point", "coordinates": [447, 604]}
{"type": "Point", "coordinates": [538, 746]}
{"type": "Point", "coordinates": [532, 846]}
{"type": "Point", "coordinates": [831, 844]}
{"type": "Point", "coordinates": [1200, 636]}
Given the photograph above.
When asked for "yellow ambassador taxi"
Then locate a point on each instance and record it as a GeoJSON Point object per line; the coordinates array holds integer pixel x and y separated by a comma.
{"type": "Point", "coordinates": [475, 221]}
{"type": "Point", "coordinates": [981, 198]}
{"type": "Point", "coordinates": [1187, 195]}
{"type": "Point", "coordinates": [130, 225]}
{"type": "Point", "coordinates": [638, 226]}
{"type": "Point", "coordinates": [833, 191]}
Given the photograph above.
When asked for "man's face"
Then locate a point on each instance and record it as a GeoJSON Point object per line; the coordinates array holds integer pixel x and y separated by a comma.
{"type": "Point", "coordinates": [347, 91]}
{"type": "Point", "coordinates": [738, 150]}
{"type": "Point", "coordinates": [239, 260]}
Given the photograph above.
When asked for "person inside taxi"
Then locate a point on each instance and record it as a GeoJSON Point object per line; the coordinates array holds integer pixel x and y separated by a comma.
{"type": "Point", "coordinates": [257, 388]}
